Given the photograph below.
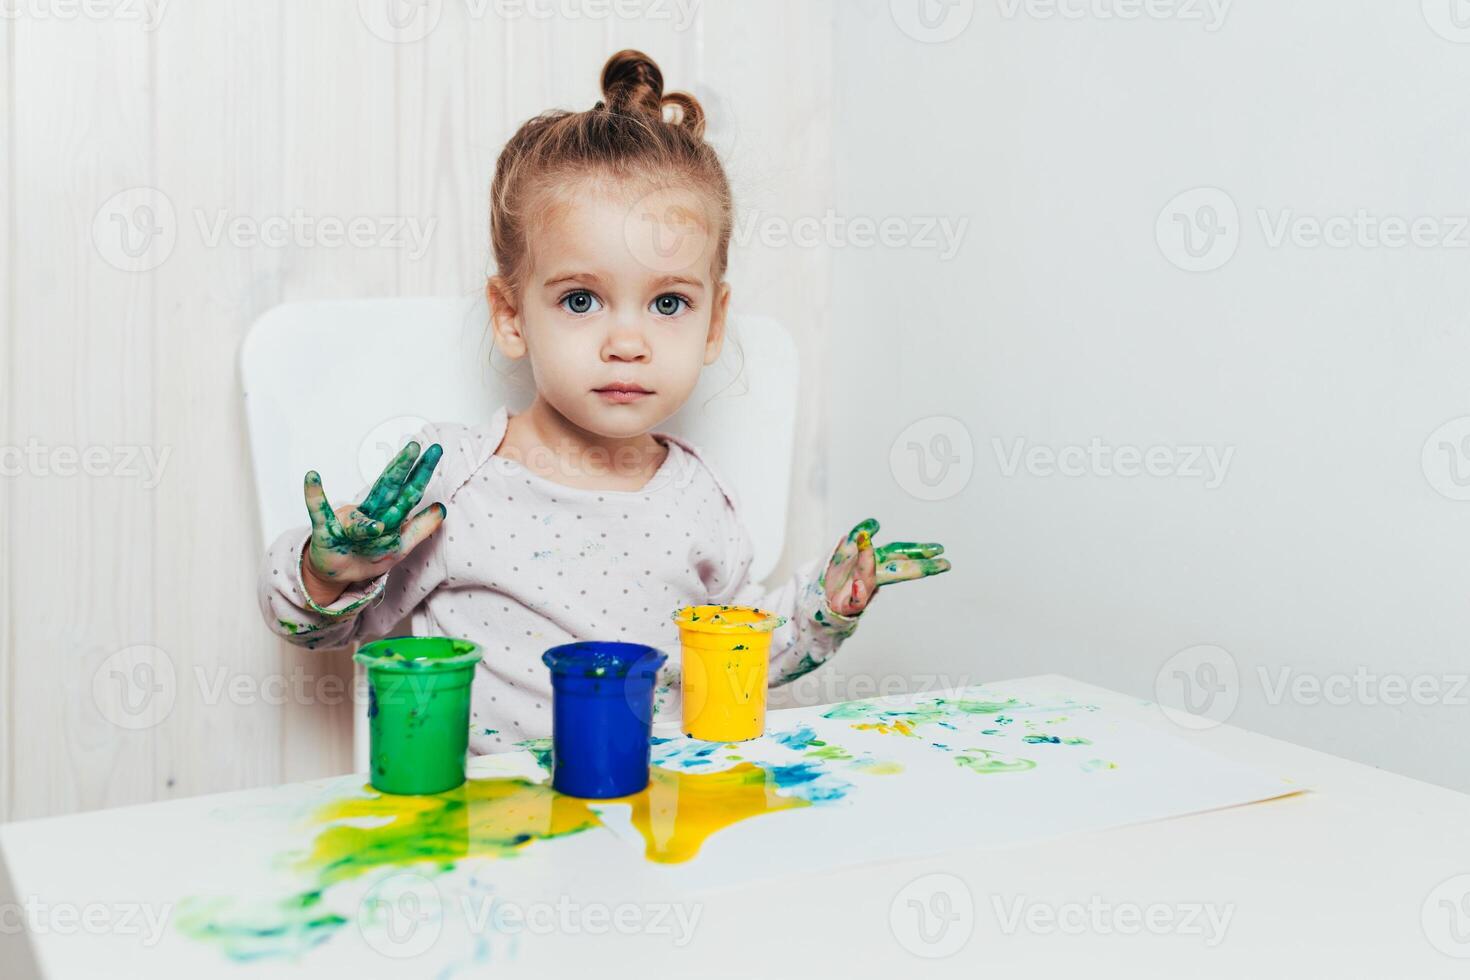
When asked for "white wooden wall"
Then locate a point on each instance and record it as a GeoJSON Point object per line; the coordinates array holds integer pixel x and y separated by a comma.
{"type": "Point", "coordinates": [260, 109]}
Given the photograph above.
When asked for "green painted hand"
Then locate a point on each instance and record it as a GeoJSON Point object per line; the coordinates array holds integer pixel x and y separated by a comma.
{"type": "Point", "coordinates": [357, 543]}
{"type": "Point", "coordinates": [857, 570]}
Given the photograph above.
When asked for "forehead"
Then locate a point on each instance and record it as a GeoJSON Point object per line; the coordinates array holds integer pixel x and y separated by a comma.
{"type": "Point", "coordinates": [626, 230]}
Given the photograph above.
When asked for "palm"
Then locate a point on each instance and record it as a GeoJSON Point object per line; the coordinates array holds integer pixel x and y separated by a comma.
{"type": "Point", "coordinates": [857, 570]}
{"type": "Point", "coordinates": [357, 542]}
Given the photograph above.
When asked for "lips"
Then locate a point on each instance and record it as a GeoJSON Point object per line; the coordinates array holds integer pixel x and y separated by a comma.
{"type": "Point", "coordinates": [622, 392]}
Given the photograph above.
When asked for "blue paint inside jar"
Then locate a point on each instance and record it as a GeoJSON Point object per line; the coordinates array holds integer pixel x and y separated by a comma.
{"type": "Point", "coordinates": [601, 713]}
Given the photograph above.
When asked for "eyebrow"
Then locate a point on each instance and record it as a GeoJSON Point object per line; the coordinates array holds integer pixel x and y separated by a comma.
{"type": "Point", "coordinates": [593, 278]}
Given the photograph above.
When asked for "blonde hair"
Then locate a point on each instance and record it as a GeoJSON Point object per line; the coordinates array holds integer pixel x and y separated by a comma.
{"type": "Point", "coordinates": [625, 136]}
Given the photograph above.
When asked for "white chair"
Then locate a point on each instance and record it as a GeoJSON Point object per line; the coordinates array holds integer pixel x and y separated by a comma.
{"type": "Point", "coordinates": [339, 387]}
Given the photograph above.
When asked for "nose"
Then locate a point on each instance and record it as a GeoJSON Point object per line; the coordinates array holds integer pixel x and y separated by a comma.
{"type": "Point", "coordinates": [625, 342]}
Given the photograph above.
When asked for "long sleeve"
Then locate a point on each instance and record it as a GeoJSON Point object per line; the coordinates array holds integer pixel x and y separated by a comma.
{"type": "Point", "coordinates": [812, 633]}
{"type": "Point", "coordinates": [367, 610]}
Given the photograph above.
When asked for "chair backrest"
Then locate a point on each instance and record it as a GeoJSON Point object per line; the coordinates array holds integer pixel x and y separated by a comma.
{"type": "Point", "coordinates": [340, 386]}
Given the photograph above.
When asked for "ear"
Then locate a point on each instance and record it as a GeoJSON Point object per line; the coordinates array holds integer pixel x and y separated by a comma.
{"type": "Point", "coordinates": [716, 339]}
{"type": "Point", "coordinates": [505, 320]}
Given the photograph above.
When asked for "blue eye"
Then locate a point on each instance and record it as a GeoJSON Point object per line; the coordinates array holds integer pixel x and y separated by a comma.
{"type": "Point", "coordinates": [579, 301]}
{"type": "Point", "coordinates": [670, 304]}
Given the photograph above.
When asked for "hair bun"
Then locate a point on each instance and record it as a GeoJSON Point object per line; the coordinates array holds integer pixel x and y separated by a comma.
{"type": "Point", "coordinates": [631, 82]}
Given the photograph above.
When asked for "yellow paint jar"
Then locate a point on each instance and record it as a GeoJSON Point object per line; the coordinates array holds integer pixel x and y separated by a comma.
{"type": "Point", "coordinates": [726, 650]}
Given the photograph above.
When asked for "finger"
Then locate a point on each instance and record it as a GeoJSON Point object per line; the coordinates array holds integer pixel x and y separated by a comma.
{"type": "Point", "coordinates": [385, 490]}
{"type": "Point", "coordinates": [869, 526]}
{"type": "Point", "coordinates": [866, 570]}
{"type": "Point", "coordinates": [360, 527]}
{"type": "Point", "coordinates": [847, 547]}
{"type": "Point", "coordinates": [323, 519]}
{"type": "Point", "coordinates": [909, 549]}
{"type": "Point", "coordinates": [413, 487]}
{"type": "Point", "coordinates": [907, 569]}
{"type": "Point", "coordinates": [420, 526]}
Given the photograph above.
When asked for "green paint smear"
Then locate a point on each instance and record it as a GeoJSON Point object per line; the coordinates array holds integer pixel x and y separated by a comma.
{"type": "Point", "coordinates": [987, 761]}
{"type": "Point", "coordinates": [921, 713]}
{"type": "Point", "coordinates": [1053, 740]}
{"type": "Point", "coordinates": [484, 818]}
{"type": "Point", "coordinates": [835, 753]}
{"type": "Point", "coordinates": [540, 748]}
{"type": "Point", "coordinates": [268, 930]}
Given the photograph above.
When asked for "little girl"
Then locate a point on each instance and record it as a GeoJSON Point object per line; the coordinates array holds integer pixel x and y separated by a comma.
{"type": "Point", "coordinates": [573, 519]}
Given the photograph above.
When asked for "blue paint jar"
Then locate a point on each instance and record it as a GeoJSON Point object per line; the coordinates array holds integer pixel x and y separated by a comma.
{"type": "Point", "coordinates": [601, 715]}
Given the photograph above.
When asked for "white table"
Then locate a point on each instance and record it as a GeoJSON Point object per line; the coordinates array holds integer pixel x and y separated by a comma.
{"type": "Point", "coordinates": [1339, 881]}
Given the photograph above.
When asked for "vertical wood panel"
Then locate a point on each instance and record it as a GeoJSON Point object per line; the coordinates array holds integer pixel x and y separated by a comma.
{"type": "Point", "coordinates": [220, 156]}
{"type": "Point", "coordinates": [340, 148]}
{"type": "Point", "coordinates": [451, 125]}
{"type": "Point", "coordinates": [7, 379]}
{"type": "Point", "coordinates": [84, 338]}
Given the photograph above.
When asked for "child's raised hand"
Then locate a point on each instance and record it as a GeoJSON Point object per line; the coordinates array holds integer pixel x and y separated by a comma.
{"type": "Point", "coordinates": [857, 570]}
{"type": "Point", "coordinates": [357, 543]}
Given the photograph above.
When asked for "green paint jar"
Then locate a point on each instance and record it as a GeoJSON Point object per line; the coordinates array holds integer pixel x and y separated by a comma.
{"type": "Point", "coordinates": [418, 711]}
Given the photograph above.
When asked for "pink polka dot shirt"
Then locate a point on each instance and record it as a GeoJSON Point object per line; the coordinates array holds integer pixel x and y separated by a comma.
{"type": "Point", "coordinates": [522, 564]}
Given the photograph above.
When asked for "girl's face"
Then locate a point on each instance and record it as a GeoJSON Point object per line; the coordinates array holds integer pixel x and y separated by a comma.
{"type": "Point", "coordinates": [620, 310]}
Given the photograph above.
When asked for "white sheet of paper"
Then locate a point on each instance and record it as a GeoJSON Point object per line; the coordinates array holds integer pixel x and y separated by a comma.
{"type": "Point", "coordinates": [881, 780]}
